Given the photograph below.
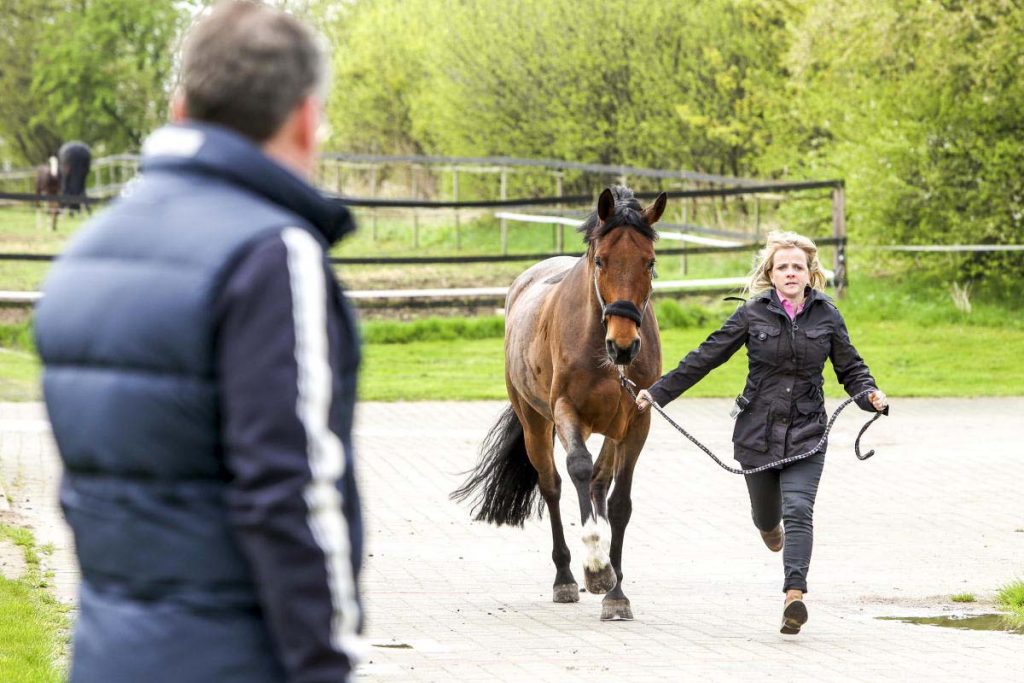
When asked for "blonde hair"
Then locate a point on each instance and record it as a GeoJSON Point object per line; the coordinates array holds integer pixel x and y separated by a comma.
{"type": "Point", "coordinates": [760, 277]}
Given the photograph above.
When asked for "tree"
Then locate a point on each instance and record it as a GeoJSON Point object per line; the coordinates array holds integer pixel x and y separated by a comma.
{"type": "Point", "coordinates": [920, 107]}
{"type": "Point", "coordinates": [31, 136]}
{"type": "Point", "coordinates": [105, 68]}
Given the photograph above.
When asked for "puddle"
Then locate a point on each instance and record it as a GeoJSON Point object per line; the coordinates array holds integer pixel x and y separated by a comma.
{"type": "Point", "coordinates": [981, 622]}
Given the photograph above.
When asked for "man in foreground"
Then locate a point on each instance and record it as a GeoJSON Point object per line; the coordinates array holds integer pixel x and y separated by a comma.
{"type": "Point", "coordinates": [200, 375]}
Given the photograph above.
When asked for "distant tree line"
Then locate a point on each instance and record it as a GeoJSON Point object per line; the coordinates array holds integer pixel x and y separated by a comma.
{"type": "Point", "coordinates": [918, 104]}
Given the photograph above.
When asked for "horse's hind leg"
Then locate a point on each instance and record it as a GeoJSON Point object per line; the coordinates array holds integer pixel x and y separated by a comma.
{"type": "Point", "coordinates": [615, 605]}
{"type": "Point", "coordinates": [539, 438]}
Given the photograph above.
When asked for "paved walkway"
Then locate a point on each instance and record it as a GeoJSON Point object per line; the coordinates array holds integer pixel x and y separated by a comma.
{"type": "Point", "coordinates": [938, 511]}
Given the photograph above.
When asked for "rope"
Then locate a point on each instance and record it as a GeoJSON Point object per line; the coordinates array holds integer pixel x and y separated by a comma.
{"type": "Point", "coordinates": [629, 384]}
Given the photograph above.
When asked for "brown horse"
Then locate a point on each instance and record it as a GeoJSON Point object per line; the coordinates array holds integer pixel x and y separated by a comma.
{"type": "Point", "coordinates": [562, 346]}
{"type": "Point", "coordinates": [48, 184]}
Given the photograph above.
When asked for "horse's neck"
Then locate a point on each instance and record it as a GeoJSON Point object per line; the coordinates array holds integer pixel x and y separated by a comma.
{"type": "Point", "coordinates": [577, 303]}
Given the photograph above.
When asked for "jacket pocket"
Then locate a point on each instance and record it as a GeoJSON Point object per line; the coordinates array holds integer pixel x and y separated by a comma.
{"type": "Point", "coordinates": [751, 430]}
{"type": "Point", "coordinates": [815, 408]}
{"type": "Point", "coordinates": [763, 333]}
{"type": "Point", "coordinates": [763, 342]}
{"type": "Point", "coordinates": [818, 343]}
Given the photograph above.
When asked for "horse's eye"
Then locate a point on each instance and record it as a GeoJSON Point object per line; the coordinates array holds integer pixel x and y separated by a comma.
{"type": "Point", "coordinates": [598, 262]}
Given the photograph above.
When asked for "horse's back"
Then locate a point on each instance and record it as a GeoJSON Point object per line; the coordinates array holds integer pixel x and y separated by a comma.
{"type": "Point", "coordinates": [536, 281]}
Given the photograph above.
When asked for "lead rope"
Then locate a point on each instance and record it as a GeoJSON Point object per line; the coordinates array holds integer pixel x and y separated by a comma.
{"type": "Point", "coordinates": [628, 384]}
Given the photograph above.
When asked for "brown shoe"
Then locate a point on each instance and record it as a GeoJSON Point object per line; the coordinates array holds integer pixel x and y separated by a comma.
{"type": "Point", "coordinates": [794, 615]}
{"type": "Point", "coordinates": [774, 539]}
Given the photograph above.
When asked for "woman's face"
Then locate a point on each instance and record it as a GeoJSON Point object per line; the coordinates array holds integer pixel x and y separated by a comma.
{"type": "Point", "coordinates": [789, 271]}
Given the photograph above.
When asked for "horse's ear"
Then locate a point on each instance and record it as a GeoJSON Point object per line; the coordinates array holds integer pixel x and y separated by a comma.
{"type": "Point", "coordinates": [605, 205]}
{"type": "Point", "coordinates": [653, 212]}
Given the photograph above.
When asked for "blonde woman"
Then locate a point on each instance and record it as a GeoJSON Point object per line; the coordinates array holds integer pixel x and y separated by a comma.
{"type": "Point", "coordinates": [790, 327]}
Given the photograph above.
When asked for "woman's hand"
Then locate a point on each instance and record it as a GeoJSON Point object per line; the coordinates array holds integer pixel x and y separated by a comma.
{"type": "Point", "coordinates": [878, 400]}
{"type": "Point", "coordinates": [643, 400]}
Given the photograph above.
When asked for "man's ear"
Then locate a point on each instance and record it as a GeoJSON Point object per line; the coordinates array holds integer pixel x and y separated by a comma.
{"type": "Point", "coordinates": [179, 111]}
{"type": "Point", "coordinates": [307, 124]}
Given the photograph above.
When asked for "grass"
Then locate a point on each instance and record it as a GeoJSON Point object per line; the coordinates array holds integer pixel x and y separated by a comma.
{"type": "Point", "coordinates": [463, 359]}
{"type": "Point", "coordinates": [34, 627]}
{"type": "Point", "coordinates": [1011, 599]}
{"type": "Point", "coordinates": [963, 597]}
{"type": "Point", "coordinates": [906, 325]}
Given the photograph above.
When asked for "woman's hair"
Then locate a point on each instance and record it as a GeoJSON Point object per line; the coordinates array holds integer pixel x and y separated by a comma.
{"type": "Point", "coordinates": [760, 277]}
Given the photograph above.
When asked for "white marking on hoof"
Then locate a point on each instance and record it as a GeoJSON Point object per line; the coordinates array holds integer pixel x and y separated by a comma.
{"type": "Point", "coordinates": [597, 536]}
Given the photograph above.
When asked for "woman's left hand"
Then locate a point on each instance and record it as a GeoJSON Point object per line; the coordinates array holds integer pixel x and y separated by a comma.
{"type": "Point", "coordinates": [878, 400]}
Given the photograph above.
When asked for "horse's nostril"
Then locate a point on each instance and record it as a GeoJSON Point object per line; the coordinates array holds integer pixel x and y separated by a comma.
{"type": "Point", "coordinates": [620, 355]}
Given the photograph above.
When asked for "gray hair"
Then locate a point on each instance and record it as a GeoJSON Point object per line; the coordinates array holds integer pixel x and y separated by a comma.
{"type": "Point", "coordinates": [247, 66]}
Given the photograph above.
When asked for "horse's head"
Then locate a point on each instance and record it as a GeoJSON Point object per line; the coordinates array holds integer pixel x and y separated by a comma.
{"type": "Point", "coordinates": [620, 250]}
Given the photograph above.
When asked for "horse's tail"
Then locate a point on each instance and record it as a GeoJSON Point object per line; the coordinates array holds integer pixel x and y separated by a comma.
{"type": "Point", "coordinates": [503, 484]}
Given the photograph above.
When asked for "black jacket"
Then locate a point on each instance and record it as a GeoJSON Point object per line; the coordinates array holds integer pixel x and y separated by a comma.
{"type": "Point", "coordinates": [200, 377]}
{"type": "Point", "coordinates": [786, 411]}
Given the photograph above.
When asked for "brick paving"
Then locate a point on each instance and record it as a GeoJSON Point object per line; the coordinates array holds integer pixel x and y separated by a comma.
{"type": "Point", "coordinates": [937, 511]}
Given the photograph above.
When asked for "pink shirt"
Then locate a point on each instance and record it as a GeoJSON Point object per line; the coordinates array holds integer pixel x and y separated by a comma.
{"type": "Point", "coordinates": [788, 307]}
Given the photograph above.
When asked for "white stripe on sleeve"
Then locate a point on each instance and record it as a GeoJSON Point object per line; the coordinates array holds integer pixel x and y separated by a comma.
{"type": "Point", "coordinates": [326, 458]}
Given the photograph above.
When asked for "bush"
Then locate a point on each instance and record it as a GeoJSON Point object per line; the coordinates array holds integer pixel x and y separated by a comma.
{"type": "Point", "coordinates": [17, 336]}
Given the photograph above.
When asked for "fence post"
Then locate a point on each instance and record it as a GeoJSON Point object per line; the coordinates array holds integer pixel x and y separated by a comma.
{"type": "Point", "coordinates": [373, 193]}
{"type": "Point", "coordinates": [839, 232]}
{"type": "Point", "coordinates": [684, 221]}
{"type": "Point", "coordinates": [560, 228]}
{"type": "Point", "coordinates": [415, 213]}
{"type": "Point", "coordinates": [455, 198]}
{"type": "Point", "coordinates": [504, 223]}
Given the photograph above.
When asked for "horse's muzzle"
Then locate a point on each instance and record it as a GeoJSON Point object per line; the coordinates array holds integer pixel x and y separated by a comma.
{"type": "Point", "coordinates": [619, 355]}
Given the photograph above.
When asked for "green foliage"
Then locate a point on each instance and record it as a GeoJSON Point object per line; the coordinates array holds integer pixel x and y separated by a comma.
{"type": "Point", "coordinates": [918, 105]}
{"type": "Point", "coordinates": [33, 625]}
{"type": "Point", "coordinates": [97, 71]}
{"type": "Point", "coordinates": [28, 139]}
{"type": "Point", "coordinates": [16, 336]}
{"type": "Point", "coordinates": [1011, 598]}
{"type": "Point", "coordinates": [638, 82]}
{"type": "Point", "coordinates": [433, 329]}
{"type": "Point", "coordinates": [963, 597]}
{"type": "Point", "coordinates": [679, 314]}
{"type": "Point", "coordinates": [106, 69]}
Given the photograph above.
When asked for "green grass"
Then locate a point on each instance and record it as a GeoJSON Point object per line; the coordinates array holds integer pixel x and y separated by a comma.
{"type": "Point", "coordinates": [34, 627]}
{"type": "Point", "coordinates": [1011, 599]}
{"type": "Point", "coordinates": [963, 597]}
{"type": "Point", "coordinates": [463, 359]}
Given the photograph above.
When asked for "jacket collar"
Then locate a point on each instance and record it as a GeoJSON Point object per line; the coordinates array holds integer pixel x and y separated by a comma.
{"type": "Point", "coordinates": [208, 148]}
{"type": "Point", "coordinates": [770, 297]}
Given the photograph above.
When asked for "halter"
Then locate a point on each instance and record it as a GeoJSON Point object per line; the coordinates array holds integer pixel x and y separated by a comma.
{"type": "Point", "coordinates": [622, 307]}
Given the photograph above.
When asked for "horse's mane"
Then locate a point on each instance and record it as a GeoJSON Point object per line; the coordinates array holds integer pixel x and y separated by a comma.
{"type": "Point", "coordinates": [627, 211]}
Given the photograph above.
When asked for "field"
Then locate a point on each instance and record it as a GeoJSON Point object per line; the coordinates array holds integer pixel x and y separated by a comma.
{"type": "Point", "coordinates": [911, 332]}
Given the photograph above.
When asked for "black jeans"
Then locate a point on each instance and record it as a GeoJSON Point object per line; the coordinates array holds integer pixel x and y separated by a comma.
{"type": "Point", "coordinates": [787, 494]}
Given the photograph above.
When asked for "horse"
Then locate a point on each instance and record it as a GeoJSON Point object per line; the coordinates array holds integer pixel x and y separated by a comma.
{"type": "Point", "coordinates": [75, 159]}
{"type": "Point", "coordinates": [48, 184]}
{"type": "Point", "coordinates": [564, 349]}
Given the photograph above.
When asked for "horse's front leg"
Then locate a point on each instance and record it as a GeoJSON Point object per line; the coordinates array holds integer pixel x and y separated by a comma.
{"type": "Point", "coordinates": [615, 605]}
{"type": "Point", "coordinates": [597, 570]}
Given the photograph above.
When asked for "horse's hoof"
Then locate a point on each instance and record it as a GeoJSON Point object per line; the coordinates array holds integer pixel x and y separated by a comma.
{"type": "Point", "coordinates": [602, 581]}
{"type": "Point", "coordinates": [567, 592]}
{"type": "Point", "coordinates": [616, 610]}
